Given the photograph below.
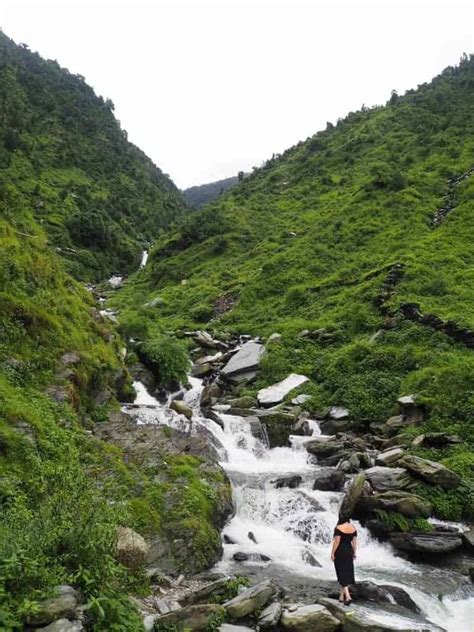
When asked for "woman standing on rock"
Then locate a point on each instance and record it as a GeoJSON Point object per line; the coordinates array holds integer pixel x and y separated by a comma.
{"type": "Point", "coordinates": [343, 554]}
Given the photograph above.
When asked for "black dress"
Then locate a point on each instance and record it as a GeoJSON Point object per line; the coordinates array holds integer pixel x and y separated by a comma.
{"type": "Point", "coordinates": [344, 558]}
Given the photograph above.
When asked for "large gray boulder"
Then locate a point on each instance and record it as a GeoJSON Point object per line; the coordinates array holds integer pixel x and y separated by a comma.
{"type": "Point", "coordinates": [272, 395]}
{"type": "Point", "coordinates": [182, 408]}
{"type": "Point", "coordinates": [250, 600]}
{"type": "Point", "coordinates": [352, 495]}
{"type": "Point", "coordinates": [408, 505]}
{"type": "Point", "coordinates": [270, 616]}
{"type": "Point", "coordinates": [431, 471]}
{"type": "Point", "coordinates": [383, 479]}
{"type": "Point", "coordinates": [132, 548]}
{"type": "Point", "coordinates": [246, 359]}
{"type": "Point", "coordinates": [62, 606]}
{"type": "Point", "coordinates": [390, 456]}
{"type": "Point", "coordinates": [437, 543]}
{"type": "Point", "coordinates": [313, 618]}
{"type": "Point", "coordinates": [195, 618]}
{"type": "Point", "coordinates": [328, 479]}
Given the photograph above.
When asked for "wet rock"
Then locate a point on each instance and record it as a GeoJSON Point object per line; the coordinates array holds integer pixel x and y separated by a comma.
{"type": "Point", "coordinates": [383, 479]}
{"type": "Point", "coordinates": [428, 543]}
{"type": "Point", "coordinates": [333, 426]}
{"type": "Point", "coordinates": [215, 588]}
{"type": "Point", "coordinates": [210, 394]}
{"type": "Point", "coordinates": [251, 536]}
{"type": "Point", "coordinates": [228, 540]}
{"type": "Point", "coordinates": [62, 606]}
{"type": "Point", "coordinates": [246, 359]}
{"type": "Point", "coordinates": [240, 556]}
{"type": "Point", "coordinates": [288, 481]}
{"type": "Point", "coordinates": [388, 457]}
{"type": "Point", "coordinates": [63, 625]}
{"type": "Point", "coordinates": [412, 412]}
{"type": "Point", "coordinates": [395, 424]}
{"type": "Point", "coordinates": [309, 558]}
{"type": "Point", "coordinates": [431, 471]}
{"type": "Point", "coordinates": [250, 600]}
{"type": "Point", "coordinates": [328, 479]}
{"type": "Point", "coordinates": [270, 616]}
{"type": "Point", "coordinates": [279, 426]}
{"type": "Point", "coordinates": [323, 449]}
{"type": "Point", "coordinates": [195, 618]}
{"type": "Point", "coordinates": [242, 402]}
{"type": "Point", "coordinates": [276, 393]}
{"type": "Point", "coordinates": [182, 408]}
{"type": "Point", "coordinates": [201, 370]}
{"type": "Point", "coordinates": [369, 591]}
{"type": "Point", "coordinates": [468, 538]}
{"type": "Point", "coordinates": [338, 412]}
{"type": "Point", "coordinates": [408, 505]}
{"type": "Point", "coordinates": [313, 618]}
{"type": "Point", "coordinates": [132, 549]}
{"type": "Point", "coordinates": [352, 495]}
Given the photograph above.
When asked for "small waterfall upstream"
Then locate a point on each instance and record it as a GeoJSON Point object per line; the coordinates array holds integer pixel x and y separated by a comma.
{"type": "Point", "coordinates": [294, 527]}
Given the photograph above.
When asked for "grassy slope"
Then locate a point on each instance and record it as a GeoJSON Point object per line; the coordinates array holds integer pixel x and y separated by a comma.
{"type": "Point", "coordinates": [359, 197]}
{"type": "Point", "coordinates": [62, 492]}
{"type": "Point", "coordinates": [98, 196]}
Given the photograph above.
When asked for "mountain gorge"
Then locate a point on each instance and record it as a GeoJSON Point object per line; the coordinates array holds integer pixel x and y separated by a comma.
{"type": "Point", "coordinates": [350, 255]}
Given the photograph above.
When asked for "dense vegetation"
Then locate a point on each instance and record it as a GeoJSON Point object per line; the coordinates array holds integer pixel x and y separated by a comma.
{"type": "Point", "coordinates": [203, 193]}
{"type": "Point", "coordinates": [100, 199]}
{"type": "Point", "coordinates": [69, 179]}
{"type": "Point", "coordinates": [336, 237]}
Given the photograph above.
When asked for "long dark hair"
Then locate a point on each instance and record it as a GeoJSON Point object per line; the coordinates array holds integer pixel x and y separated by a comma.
{"type": "Point", "coordinates": [342, 520]}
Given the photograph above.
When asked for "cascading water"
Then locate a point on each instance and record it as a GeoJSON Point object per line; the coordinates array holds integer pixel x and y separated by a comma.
{"type": "Point", "coordinates": [144, 258]}
{"type": "Point", "coordinates": [293, 527]}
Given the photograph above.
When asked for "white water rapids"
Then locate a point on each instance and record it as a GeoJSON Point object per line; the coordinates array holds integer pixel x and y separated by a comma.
{"type": "Point", "coordinates": [294, 526]}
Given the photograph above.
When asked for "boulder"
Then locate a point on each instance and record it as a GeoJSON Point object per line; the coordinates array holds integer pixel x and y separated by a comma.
{"type": "Point", "coordinates": [276, 393]}
{"type": "Point", "coordinates": [388, 457]}
{"type": "Point", "coordinates": [182, 408]}
{"type": "Point", "coordinates": [201, 370]}
{"type": "Point", "coordinates": [338, 412]}
{"type": "Point", "coordinates": [131, 548]}
{"type": "Point", "coordinates": [395, 424]}
{"type": "Point", "coordinates": [435, 440]}
{"type": "Point", "coordinates": [313, 618]}
{"type": "Point", "coordinates": [270, 616]}
{"type": "Point", "coordinates": [468, 538]}
{"type": "Point", "coordinates": [333, 426]}
{"type": "Point", "coordinates": [323, 449]}
{"type": "Point", "coordinates": [328, 479]}
{"type": "Point", "coordinates": [274, 338]}
{"type": "Point", "coordinates": [429, 543]}
{"type": "Point", "coordinates": [309, 558]}
{"type": "Point", "coordinates": [195, 618]}
{"type": "Point", "coordinates": [216, 587]}
{"type": "Point", "coordinates": [246, 359]}
{"type": "Point", "coordinates": [279, 426]}
{"type": "Point", "coordinates": [210, 393]}
{"type": "Point", "coordinates": [352, 495]}
{"type": "Point", "coordinates": [383, 479]}
{"type": "Point", "coordinates": [242, 402]}
{"type": "Point", "coordinates": [412, 411]}
{"type": "Point", "coordinates": [62, 606]}
{"type": "Point", "coordinates": [431, 471]}
{"type": "Point", "coordinates": [408, 505]}
{"type": "Point", "coordinates": [63, 625]}
{"type": "Point", "coordinates": [369, 591]}
{"type": "Point", "coordinates": [300, 399]}
{"type": "Point", "coordinates": [250, 600]}
{"type": "Point", "coordinates": [288, 481]}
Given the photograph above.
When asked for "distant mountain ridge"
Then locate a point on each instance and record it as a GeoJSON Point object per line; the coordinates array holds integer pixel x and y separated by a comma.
{"type": "Point", "coordinates": [201, 194]}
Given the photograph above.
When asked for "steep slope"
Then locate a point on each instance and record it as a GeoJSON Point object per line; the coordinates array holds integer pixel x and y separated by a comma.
{"type": "Point", "coordinates": [203, 193]}
{"type": "Point", "coordinates": [66, 482]}
{"type": "Point", "coordinates": [341, 236]}
{"type": "Point", "coordinates": [98, 196]}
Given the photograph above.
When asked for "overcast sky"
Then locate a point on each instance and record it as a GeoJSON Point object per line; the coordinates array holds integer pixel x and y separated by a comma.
{"type": "Point", "coordinates": [210, 88]}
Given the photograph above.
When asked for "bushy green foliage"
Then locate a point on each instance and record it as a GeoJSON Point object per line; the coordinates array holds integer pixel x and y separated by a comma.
{"type": "Point", "coordinates": [449, 505]}
{"type": "Point", "coordinates": [167, 358]}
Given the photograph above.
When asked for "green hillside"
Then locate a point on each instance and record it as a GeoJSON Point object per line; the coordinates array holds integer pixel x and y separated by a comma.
{"type": "Point", "coordinates": [99, 197]}
{"type": "Point", "coordinates": [340, 236]}
{"type": "Point", "coordinates": [201, 194]}
{"type": "Point", "coordinates": [75, 197]}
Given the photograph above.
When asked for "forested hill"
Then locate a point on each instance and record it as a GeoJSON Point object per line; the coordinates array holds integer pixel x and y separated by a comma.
{"type": "Point", "coordinates": [355, 246]}
{"type": "Point", "coordinates": [65, 156]}
{"type": "Point", "coordinates": [203, 193]}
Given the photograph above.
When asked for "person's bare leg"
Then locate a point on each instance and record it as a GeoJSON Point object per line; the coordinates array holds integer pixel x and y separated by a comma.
{"type": "Point", "coordinates": [347, 594]}
{"type": "Point", "coordinates": [341, 594]}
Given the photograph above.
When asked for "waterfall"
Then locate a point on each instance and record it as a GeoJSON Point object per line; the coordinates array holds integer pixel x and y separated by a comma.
{"type": "Point", "coordinates": [293, 528]}
{"type": "Point", "coordinates": [144, 258]}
